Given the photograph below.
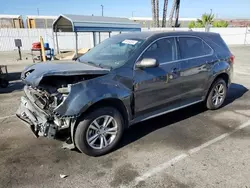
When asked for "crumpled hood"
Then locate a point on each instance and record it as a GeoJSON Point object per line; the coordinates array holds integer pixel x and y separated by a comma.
{"type": "Point", "coordinates": [33, 74]}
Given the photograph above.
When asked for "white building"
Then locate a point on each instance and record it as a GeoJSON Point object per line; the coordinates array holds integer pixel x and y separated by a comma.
{"type": "Point", "coordinates": [147, 21]}
{"type": "Point", "coordinates": [11, 21]}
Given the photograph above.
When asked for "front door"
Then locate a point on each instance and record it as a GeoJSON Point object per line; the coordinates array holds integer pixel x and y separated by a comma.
{"type": "Point", "coordinates": [195, 55]}
{"type": "Point", "coordinates": [155, 87]}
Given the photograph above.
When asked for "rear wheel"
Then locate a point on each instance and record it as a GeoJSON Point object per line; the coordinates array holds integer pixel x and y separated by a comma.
{"type": "Point", "coordinates": [217, 94]}
{"type": "Point", "coordinates": [99, 132]}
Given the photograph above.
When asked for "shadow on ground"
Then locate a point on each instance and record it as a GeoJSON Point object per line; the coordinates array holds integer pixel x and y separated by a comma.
{"type": "Point", "coordinates": [144, 128]}
{"type": "Point", "coordinates": [235, 91]}
{"type": "Point", "coordinates": [13, 86]}
{"type": "Point", "coordinates": [12, 76]}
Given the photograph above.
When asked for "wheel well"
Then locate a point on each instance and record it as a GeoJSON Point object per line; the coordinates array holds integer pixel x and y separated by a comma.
{"type": "Point", "coordinates": [224, 76]}
{"type": "Point", "coordinates": [115, 103]}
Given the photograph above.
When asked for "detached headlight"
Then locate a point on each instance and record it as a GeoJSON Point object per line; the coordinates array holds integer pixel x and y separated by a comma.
{"type": "Point", "coordinates": [64, 90]}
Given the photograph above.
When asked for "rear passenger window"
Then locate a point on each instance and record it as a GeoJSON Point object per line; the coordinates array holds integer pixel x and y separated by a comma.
{"type": "Point", "coordinates": [193, 47]}
{"type": "Point", "coordinates": [163, 50]}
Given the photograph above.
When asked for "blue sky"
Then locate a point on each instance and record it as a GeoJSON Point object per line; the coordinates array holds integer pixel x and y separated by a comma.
{"type": "Point", "coordinates": [124, 8]}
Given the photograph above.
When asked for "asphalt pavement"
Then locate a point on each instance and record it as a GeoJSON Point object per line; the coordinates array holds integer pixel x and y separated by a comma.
{"type": "Point", "coordinates": [192, 147]}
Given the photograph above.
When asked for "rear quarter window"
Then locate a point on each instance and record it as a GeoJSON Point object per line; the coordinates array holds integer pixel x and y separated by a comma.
{"type": "Point", "coordinates": [191, 47]}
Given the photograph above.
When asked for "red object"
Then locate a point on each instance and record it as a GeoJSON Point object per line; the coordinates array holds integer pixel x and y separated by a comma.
{"type": "Point", "coordinates": [36, 45]}
{"type": "Point", "coordinates": [232, 57]}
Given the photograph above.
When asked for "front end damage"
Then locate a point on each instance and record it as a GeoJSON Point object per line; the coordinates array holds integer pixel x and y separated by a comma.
{"type": "Point", "coordinates": [37, 111]}
{"type": "Point", "coordinates": [46, 105]}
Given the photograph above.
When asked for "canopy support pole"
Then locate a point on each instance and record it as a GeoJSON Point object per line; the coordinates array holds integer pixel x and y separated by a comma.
{"type": "Point", "coordinates": [99, 37]}
{"type": "Point", "coordinates": [94, 39]}
{"type": "Point", "coordinates": [109, 34]}
{"type": "Point", "coordinates": [76, 53]}
{"type": "Point", "coordinates": [57, 45]}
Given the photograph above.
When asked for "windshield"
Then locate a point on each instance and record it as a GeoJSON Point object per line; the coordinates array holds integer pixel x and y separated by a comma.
{"type": "Point", "coordinates": [112, 52]}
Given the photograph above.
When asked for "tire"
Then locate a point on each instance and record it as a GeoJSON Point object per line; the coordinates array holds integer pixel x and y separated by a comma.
{"type": "Point", "coordinates": [211, 98]}
{"type": "Point", "coordinates": [84, 131]}
{"type": "Point", "coordinates": [4, 83]}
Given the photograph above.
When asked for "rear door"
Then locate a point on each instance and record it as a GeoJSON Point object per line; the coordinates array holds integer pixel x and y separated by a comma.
{"type": "Point", "coordinates": [195, 56]}
{"type": "Point", "coordinates": [154, 88]}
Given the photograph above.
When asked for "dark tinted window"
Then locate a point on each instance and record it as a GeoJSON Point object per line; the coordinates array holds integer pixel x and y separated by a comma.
{"type": "Point", "coordinates": [193, 47]}
{"type": "Point", "coordinates": [162, 50]}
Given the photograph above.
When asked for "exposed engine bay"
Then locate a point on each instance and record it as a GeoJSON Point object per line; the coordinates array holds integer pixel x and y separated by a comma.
{"type": "Point", "coordinates": [53, 90]}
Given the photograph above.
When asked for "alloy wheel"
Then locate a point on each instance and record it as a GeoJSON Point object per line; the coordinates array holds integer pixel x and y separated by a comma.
{"type": "Point", "coordinates": [218, 94]}
{"type": "Point", "coordinates": [101, 132]}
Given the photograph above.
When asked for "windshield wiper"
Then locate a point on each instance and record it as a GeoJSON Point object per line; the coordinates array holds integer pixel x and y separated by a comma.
{"type": "Point", "coordinates": [105, 66]}
{"type": "Point", "coordinates": [96, 65]}
{"type": "Point", "coordinates": [89, 63]}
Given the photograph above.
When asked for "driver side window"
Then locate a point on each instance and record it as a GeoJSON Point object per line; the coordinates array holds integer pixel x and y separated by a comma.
{"type": "Point", "coordinates": [163, 50]}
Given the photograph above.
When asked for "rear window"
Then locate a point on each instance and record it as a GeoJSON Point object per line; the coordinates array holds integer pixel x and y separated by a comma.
{"type": "Point", "coordinates": [193, 47]}
{"type": "Point", "coordinates": [218, 43]}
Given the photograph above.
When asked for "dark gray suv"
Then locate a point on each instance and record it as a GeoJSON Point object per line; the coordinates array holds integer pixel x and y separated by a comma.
{"type": "Point", "coordinates": [126, 79]}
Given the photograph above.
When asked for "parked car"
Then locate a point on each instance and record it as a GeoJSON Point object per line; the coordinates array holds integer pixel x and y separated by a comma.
{"type": "Point", "coordinates": [126, 79]}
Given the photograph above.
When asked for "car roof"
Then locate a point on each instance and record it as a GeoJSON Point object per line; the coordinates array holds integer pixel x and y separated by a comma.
{"type": "Point", "coordinates": [157, 34]}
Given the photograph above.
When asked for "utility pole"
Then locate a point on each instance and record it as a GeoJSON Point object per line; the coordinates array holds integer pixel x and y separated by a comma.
{"type": "Point", "coordinates": [133, 13]}
{"type": "Point", "coordinates": [38, 11]}
{"type": "Point", "coordinates": [102, 9]}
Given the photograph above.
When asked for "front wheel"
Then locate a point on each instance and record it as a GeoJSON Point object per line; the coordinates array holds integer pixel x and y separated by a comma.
{"type": "Point", "coordinates": [217, 94]}
{"type": "Point", "coordinates": [99, 132]}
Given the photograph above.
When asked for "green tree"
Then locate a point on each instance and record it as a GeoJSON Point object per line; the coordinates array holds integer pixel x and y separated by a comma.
{"type": "Point", "coordinates": [220, 23]}
{"type": "Point", "coordinates": [191, 24]}
{"type": "Point", "coordinates": [206, 19]}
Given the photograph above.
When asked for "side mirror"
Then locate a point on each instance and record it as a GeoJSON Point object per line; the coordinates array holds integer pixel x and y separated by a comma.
{"type": "Point", "coordinates": [147, 63]}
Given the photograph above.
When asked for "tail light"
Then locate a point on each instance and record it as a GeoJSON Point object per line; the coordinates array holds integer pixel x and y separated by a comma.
{"type": "Point", "coordinates": [232, 57]}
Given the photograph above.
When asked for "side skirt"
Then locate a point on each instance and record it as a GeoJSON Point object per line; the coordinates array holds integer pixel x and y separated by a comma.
{"type": "Point", "coordinates": [162, 111]}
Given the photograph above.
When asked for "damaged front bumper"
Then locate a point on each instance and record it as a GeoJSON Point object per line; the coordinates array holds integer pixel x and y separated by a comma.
{"type": "Point", "coordinates": [41, 122]}
{"type": "Point", "coordinates": [37, 120]}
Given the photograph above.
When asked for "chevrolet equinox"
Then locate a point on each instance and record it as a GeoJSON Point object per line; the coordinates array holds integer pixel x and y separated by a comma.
{"type": "Point", "coordinates": [126, 79]}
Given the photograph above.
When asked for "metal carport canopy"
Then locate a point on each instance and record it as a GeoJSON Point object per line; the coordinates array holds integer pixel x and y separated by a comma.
{"type": "Point", "coordinates": [81, 23]}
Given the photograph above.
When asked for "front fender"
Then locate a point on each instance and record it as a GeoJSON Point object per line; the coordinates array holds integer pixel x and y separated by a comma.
{"type": "Point", "coordinates": [84, 94]}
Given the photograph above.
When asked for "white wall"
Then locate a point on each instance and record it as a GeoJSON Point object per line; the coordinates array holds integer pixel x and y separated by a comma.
{"type": "Point", "coordinates": [28, 36]}
{"type": "Point", "coordinates": [232, 36]}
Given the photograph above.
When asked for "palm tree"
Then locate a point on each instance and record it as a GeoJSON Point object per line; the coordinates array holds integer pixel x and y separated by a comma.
{"type": "Point", "coordinates": [153, 12]}
{"type": "Point", "coordinates": [164, 14]}
{"type": "Point", "coordinates": [206, 19]}
{"type": "Point", "coordinates": [157, 12]}
{"type": "Point", "coordinates": [177, 11]}
{"type": "Point", "coordinates": [172, 13]}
